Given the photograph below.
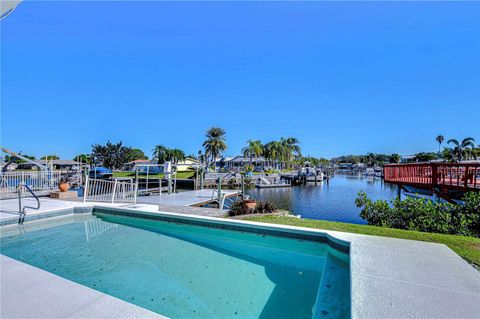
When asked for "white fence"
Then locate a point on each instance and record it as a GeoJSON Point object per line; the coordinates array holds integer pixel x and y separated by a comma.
{"type": "Point", "coordinates": [36, 180]}
{"type": "Point", "coordinates": [99, 190]}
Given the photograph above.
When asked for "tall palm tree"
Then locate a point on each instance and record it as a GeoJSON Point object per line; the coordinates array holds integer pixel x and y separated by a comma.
{"type": "Point", "coordinates": [291, 148]}
{"type": "Point", "coordinates": [462, 148]}
{"type": "Point", "coordinates": [215, 143]}
{"type": "Point", "coordinates": [275, 153]}
{"type": "Point", "coordinates": [439, 140]}
{"type": "Point", "coordinates": [254, 148]}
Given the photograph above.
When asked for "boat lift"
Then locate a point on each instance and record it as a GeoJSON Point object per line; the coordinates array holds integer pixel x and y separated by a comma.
{"type": "Point", "coordinates": [42, 167]}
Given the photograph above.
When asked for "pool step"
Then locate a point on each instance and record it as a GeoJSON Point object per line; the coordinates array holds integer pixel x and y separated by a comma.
{"type": "Point", "coordinates": [333, 298]}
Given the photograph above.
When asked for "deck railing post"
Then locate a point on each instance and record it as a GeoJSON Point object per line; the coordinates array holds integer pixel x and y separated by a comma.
{"type": "Point", "coordinates": [434, 175]}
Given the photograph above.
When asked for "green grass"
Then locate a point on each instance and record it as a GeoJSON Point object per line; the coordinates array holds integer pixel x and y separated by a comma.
{"type": "Point", "coordinates": [466, 247]}
{"type": "Point", "coordinates": [181, 175]}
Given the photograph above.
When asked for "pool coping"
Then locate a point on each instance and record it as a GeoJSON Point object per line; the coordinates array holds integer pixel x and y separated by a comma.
{"type": "Point", "coordinates": [390, 277]}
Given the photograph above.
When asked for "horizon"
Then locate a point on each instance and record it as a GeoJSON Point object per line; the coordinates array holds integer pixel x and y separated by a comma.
{"type": "Point", "coordinates": [343, 78]}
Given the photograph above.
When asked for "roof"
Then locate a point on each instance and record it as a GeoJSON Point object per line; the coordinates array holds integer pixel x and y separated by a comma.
{"type": "Point", "coordinates": [241, 159]}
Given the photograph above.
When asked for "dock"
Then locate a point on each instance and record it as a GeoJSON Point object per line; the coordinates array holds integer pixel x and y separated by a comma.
{"type": "Point", "coordinates": [444, 179]}
{"type": "Point", "coordinates": [188, 198]}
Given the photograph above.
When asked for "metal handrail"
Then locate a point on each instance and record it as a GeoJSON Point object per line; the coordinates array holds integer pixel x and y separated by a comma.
{"type": "Point", "coordinates": [20, 209]}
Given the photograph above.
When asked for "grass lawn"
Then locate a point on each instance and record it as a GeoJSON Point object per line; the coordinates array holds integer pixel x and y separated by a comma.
{"type": "Point", "coordinates": [181, 175]}
{"type": "Point", "coordinates": [466, 247]}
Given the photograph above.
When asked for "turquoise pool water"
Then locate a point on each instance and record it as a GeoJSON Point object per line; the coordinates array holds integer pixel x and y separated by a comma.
{"type": "Point", "coordinates": [187, 271]}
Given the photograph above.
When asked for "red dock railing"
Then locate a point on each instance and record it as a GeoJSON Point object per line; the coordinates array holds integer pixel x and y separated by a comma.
{"type": "Point", "coordinates": [462, 176]}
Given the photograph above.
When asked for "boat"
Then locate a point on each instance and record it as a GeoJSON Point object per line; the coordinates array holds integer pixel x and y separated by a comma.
{"type": "Point", "coordinates": [370, 172]}
{"type": "Point", "coordinates": [100, 173]}
{"type": "Point", "coordinates": [312, 174]}
{"type": "Point", "coordinates": [262, 182]}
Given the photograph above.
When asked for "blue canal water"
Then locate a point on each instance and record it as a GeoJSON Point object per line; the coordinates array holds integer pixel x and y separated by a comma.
{"type": "Point", "coordinates": [329, 200]}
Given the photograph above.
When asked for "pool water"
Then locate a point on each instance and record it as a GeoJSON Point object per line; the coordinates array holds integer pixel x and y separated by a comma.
{"type": "Point", "coordinates": [187, 271]}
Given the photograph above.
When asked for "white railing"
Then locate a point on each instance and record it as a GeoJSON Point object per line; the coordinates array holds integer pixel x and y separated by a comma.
{"type": "Point", "coordinates": [99, 190]}
{"type": "Point", "coordinates": [35, 180]}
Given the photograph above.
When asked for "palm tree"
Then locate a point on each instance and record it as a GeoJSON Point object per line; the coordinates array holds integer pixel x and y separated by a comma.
{"type": "Point", "coordinates": [275, 152]}
{"type": "Point", "coordinates": [254, 148]}
{"type": "Point", "coordinates": [439, 140]}
{"type": "Point", "coordinates": [160, 152]}
{"type": "Point", "coordinates": [215, 143]}
{"type": "Point", "coordinates": [291, 148]}
{"type": "Point", "coordinates": [176, 155]}
{"type": "Point", "coordinates": [462, 148]}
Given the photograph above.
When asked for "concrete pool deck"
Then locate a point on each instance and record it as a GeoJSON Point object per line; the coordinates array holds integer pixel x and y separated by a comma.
{"type": "Point", "coordinates": [390, 278]}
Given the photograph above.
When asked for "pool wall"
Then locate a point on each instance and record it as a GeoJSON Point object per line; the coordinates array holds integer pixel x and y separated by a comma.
{"type": "Point", "coordinates": [230, 224]}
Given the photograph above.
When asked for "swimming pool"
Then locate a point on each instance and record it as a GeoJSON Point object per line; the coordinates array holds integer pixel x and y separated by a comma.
{"type": "Point", "coordinates": [185, 268]}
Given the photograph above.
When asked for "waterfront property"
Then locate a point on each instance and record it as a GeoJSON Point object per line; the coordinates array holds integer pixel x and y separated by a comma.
{"type": "Point", "coordinates": [182, 265]}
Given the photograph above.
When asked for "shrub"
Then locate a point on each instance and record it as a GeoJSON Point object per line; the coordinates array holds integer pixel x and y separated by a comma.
{"type": "Point", "coordinates": [424, 215]}
{"type": "Point", "coordinates": [239, 208]}
{"type": "Point", "coordinates": [265, 208]}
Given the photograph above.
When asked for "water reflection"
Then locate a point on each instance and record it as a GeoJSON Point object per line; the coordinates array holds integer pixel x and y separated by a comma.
{"type": "Point", "coordinates": [330, 200]}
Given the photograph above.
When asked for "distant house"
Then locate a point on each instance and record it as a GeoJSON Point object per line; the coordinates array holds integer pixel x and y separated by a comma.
{"type": "Point", "coordinates": [345, 165]}
{"type": "Point", "coordinates": [240, 161]}
{"type": "Point", "coordinates": [359, 166]}
{"type": "Point", "coordinates": [187, 164]}
{"type": "Point", "coordinates": [408, 159]}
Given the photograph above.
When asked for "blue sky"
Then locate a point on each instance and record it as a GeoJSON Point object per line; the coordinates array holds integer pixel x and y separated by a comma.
{"type": "Point", "coordinates": [344, 78]}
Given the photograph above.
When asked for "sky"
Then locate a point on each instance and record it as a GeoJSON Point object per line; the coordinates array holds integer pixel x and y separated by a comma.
{"type": "Point", "coordinates": [342, 77]}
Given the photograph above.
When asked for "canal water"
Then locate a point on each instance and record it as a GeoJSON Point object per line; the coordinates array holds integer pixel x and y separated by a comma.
{"type": "Point", "coordinates": [329, 200]}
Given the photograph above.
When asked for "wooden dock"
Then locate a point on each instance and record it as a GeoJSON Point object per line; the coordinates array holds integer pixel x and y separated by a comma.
{"type": "Point", "coordinates": [443, 177]}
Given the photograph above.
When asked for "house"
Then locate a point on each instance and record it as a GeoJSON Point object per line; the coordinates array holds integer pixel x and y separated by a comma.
{"type": "Point", "coordinates": [345, 165]}
{"type": "Point", "coordinates": [187, 164]}
{"type": "Point", "coordinates": [238, 162]}
{"type": "Point", "coordinates": [408, 159]}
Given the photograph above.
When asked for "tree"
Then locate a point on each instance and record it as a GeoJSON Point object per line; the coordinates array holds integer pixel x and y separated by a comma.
{"type": "Point", "coordinates": [17, 160]}
{"type": "Point", "coordinates": [425, 156]}
{"type": "Point", "coordinates": [462, 149]}
{"type": "Point", "coordinates": [50, 157]}
{"type": "Point", "coordinates": [274, 152]}
{"type": "Point", "coordinates": [290, 148]}
{"type": "Point", "coordinates": [83, 158]}
{"type": "Point", "coordinates": [371, 159]}
{"type": "Point", "coordinates": [136, 154]}
{"type": "Point", "coordinates": [110, 155]}
{"type": "Point", "coordinates": [395, 158]}
{"type": "Point", "coordinates": [176, 155]}
{"type": "Point", "coordinates": [215, 143]}
{"type": "Point", "coordinates": [439, 140]}
{"type": "Point", "coordinates": [165, 154]}
{"type": "Point", "coordinates": [254, 148]}
{"type": "Point", "coordinates": [160, 152]}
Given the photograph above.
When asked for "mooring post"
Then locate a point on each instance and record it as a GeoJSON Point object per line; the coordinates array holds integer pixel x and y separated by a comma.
{"type": "Point", "coordinates": [219, 189]}
{"type": "Point", "coordinates": [242, 184]}
{"type": "Point", "coordinates": [399, 192]}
